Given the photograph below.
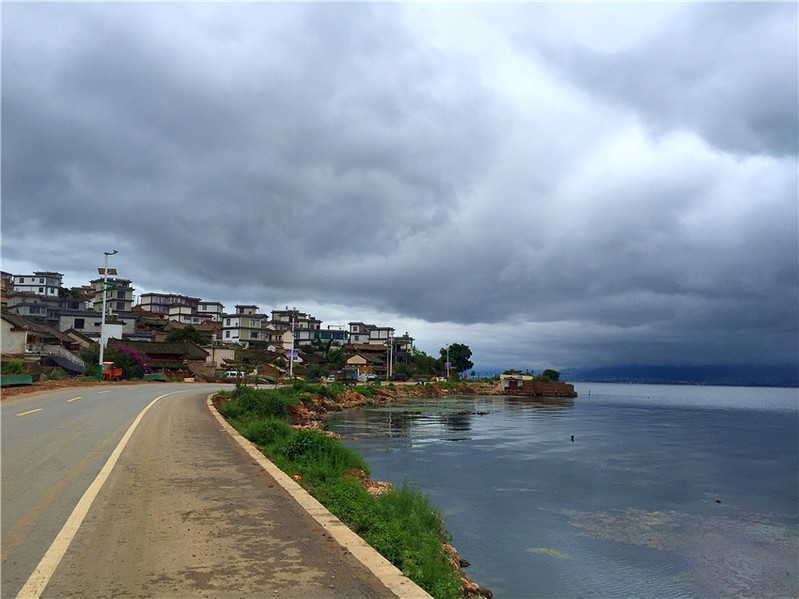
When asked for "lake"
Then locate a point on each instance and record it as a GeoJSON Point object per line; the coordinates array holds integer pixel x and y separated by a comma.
{"type": "Point", "coordinates": [664, 491]}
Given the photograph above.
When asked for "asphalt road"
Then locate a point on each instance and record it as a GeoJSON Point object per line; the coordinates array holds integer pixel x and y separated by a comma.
{"type": "Point", "coordinates": [184, 512]}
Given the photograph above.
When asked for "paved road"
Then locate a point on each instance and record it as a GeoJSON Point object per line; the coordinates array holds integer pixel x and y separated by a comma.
{"type": "Point", "coordinates": [184, 513]}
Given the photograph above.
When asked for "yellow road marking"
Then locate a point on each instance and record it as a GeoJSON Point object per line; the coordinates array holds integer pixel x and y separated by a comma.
{"type": "Point", "coordinates": [30, 412]}
{"type": "Point", "coordinates": [73, 399]}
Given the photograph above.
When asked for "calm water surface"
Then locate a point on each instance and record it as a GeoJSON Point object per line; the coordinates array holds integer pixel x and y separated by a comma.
{"type": "Point", "coordinates": [666, 491]}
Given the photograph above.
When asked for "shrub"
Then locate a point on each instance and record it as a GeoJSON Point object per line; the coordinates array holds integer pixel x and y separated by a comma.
{"type": "Point", "coordinates": [315, 452]}
{"type": "Point", "coordinates": [14, 367]}
{"type": "Point", "coordinates": [262, 403]}
{"type": "Point", "coordinates": [369, 390]}
{"type": "Point", "coordinates": [268, 432]}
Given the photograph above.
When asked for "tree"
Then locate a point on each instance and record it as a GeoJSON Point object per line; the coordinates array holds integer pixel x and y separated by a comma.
{"type": "Point", "coordinates": [133, 364]}
{"type": "Point", "coordinates": [459, 355]}
{"type": "Point", "coordinates": [426, 364]}
{"type": "Point", "coordinates": [552, 375]}
{"type": "Point", "coordinates": [187, 333]}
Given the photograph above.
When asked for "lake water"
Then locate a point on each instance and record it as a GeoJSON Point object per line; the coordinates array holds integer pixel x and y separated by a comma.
{"type": "Point", "coordinates": [665, 491]}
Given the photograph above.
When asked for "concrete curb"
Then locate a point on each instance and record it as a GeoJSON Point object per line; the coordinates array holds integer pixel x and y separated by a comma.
{"type": "Point", "coordinates": [394, 580]}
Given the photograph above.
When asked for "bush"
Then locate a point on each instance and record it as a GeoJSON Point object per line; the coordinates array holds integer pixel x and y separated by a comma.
{"type": "Point", "coordinates": [369, 390]}
{"type": "Point", "coordinates": [267, 433]}
{"type": "Point", "coordinates": [262, 403]}
{"type": "Point", "coordinates": [315, 452]}
{"type": "Point", "coordinates": [14, 367]}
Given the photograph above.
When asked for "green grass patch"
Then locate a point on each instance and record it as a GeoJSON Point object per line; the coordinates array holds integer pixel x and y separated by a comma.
{"type": "Point", "coordinates": [368, 391]}
{"type": "Point", "coordinates": [400, 524]}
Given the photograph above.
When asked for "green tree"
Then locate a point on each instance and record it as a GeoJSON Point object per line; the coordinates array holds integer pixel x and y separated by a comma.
{"type": "Point", "coordinates": [426, 364]}
{"type": "Point", "coordinates": [459, 355]}
{"type": "Point", "coordinates": [552, 375]}
{"type": "Point", "coordinates": [187, 333]}
{"type": "Point", "coordinates": [131, 369]}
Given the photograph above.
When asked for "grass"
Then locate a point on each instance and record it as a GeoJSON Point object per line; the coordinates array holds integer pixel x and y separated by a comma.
{"type": "Point", "coordinates": [400, 524]}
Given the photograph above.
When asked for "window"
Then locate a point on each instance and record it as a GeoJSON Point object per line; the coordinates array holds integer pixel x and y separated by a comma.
{"type": "Point", "coordinates": [120, 295]}
{"type": "Point", "coordinates": [21, 280]}
{"type": "Point", "coordinates": [41, 289]}
{"type": "Point", "coordinates": [120, 305]}
{"type": "Point", "coordinates": [228, 322]}
{"type": "Point", "coordinates": [41, 281]}
{"type": "Point", "coordinates": [80, 323]}
{"type": "Point", "coordinates": [33, 309]}
{"type": "Point", "coordinates": [227, 334]}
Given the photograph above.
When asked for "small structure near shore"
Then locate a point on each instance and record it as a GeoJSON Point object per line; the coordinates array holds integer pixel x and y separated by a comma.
{"type": "Point", "coordinates": [525, 385]}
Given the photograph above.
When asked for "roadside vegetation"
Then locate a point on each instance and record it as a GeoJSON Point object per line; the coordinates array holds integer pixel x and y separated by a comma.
{"type": "Point", "coordinates": [399, 523]}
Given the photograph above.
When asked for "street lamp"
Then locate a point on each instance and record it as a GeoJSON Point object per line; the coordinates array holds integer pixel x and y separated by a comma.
{"type": "Point", "coordinates": [291, 354]}
{"type": "Point", "coordinates": [102, 320]}
{"type": "Point", "coordinates": [389, 370]}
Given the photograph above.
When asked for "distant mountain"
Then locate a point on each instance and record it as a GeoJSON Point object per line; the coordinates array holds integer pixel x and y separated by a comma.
{"type": "Point", "coordinates": [775, 375]}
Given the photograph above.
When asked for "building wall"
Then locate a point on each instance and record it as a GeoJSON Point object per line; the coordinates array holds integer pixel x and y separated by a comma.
{"type": "Point", "coordinates": [11, 342]}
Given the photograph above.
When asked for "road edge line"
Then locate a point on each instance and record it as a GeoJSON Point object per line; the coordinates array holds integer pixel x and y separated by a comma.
{"type": "Point", "coordinates": [41, 575]}
{"type": "Point", "coordinates": [393, 579]}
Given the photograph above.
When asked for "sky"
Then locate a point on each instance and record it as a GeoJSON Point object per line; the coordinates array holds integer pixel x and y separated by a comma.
{"type": "Point", "coordinates": [554, 185]}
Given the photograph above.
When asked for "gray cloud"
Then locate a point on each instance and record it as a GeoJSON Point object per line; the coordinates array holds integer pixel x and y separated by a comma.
{"type": "Point", "coordinates": [729, 72]}
{"type": "Point", "coordinates": [579, 206]}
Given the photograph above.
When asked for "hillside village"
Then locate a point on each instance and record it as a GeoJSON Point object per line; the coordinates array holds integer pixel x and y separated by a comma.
{"type": "Point", "coordinates": [46, 325]}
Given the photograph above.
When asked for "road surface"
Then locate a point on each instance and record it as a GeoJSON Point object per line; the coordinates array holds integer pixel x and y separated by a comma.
{"type": "Point", "coordinates": [184, 512]}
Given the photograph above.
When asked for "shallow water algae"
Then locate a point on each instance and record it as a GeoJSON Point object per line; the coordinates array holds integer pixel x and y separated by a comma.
{"type": "Point", "coordinates": [552, 552]}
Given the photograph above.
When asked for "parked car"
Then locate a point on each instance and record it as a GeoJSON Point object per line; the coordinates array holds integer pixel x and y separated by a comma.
{"type": "Point", "coordinates": [232, 374]}
{"type": "Point", "coordinates": [371, 377]}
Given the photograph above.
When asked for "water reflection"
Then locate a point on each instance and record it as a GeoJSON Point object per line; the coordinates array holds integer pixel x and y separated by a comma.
{"type": "Point", "coordinates": [449, 419]}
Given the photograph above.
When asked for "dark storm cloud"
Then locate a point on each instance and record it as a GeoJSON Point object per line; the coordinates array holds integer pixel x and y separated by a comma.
{"type": "Point", "coordinates": [355, 155]}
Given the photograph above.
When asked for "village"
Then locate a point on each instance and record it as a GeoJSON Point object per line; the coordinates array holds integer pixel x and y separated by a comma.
{"type": "Point", "coordinates": [47, 327]}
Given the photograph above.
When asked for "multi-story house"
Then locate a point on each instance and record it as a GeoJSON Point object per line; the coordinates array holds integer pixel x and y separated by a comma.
{"type": "Point", "coordinates": [43, 283]}
{"type": "Point", "coordinates": [362, 333]}
{"type": "Point", "coordinates": [210, 311]}
{"type": "Point", "coordinates": [119, 297]}
{"type": "Point", "coordinates": [161, 303]}
{"type": "Point", "coordinates": [303, 325]}
{"type": "Point", "coordinates": [184, 315]}
{"type": "Point", "coordinates": [333, 333]}
{"type": "Point", "coordinates": [247, 325]}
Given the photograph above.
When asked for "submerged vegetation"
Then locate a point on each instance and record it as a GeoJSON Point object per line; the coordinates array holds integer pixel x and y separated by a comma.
{"type": "Point", "coordinates": [399, 523]}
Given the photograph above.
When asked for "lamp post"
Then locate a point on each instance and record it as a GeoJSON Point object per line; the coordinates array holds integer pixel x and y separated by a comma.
{"type": "Point", "coordinates": [390, 356]}
{"type": "Point", "coordinates": [291, 354]}
{"type": "Point", "coordinates": [448, 344]}
{"type": "Point", "coordinates": [102, 319]}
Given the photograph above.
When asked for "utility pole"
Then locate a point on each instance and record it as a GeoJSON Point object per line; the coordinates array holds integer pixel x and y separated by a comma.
{"type": "Point", "coordinates": [102, 320]}
{"type": "Point", "coordinates": [448, 344]}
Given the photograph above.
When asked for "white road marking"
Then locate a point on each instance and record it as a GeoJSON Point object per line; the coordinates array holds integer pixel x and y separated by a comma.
{"type": "Point", "coordinates": [36, 583]}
